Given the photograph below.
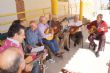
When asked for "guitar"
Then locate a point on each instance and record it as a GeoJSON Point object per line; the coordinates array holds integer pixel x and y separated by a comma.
{"type": "Point", "coordinates": [42, 68]}
{"type": "Point", "coordinates": [74, 29]}
{"type": "Point", "coordinates": [54, 28]}
{"type": "Point", "coordinates": [56, 25]}
{"type": "Point", "coordinates": [93, 29]}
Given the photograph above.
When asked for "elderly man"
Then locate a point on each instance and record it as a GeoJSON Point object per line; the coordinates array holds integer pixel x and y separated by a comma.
{"type": "Point", "coordinates": [77, 36]}
{"type": "Point", "coordinates": [97, 30]}
{"type": "Point", "coordinates": [52, 43]}
{"type": "Point", "coordinates": [33, 39]}
{"type": "Point", "coordinates": [56, 25]}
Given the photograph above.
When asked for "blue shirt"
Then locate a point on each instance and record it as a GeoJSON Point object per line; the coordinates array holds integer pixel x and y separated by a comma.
{"type": "Point", "coordinates": [33, 37]}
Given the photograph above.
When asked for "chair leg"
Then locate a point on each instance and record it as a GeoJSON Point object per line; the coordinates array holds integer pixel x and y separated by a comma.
{"type": "Point", "coordinates": [82, 42]}
{"type": "Point", "coordinates": [69, 41]}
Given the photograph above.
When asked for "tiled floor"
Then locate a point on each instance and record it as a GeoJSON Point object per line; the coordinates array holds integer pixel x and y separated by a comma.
{"type": "Point", "coordinates": [82, 60]}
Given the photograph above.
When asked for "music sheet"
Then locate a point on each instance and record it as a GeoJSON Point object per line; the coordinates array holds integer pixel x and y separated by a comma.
{"type": "Point", "coordinates": [37, 49]}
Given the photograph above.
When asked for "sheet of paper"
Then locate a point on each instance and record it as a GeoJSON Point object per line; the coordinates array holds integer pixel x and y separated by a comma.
{"type": "Point", "coordinates": [37, 49]}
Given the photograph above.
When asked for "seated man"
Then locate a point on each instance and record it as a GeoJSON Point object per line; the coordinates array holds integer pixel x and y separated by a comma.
{"type": "Point", "coordinates": [77, 36]}
{"type": "Point", "coordinates": [97, 30]}
{"type": "Point", "coordinates": [16, 35]}
{"type": "Point", "coordinates": [56, 25]}
{"type": "Point", "coordinates": [32, 35]}
{"type": "Point", "coordinates": [52, 43]}
{"type": "Point", "coordinates": [33, 39]}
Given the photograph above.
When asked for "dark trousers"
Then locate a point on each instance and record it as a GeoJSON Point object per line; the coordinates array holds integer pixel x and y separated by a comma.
{"type": "Point", "coordinates": [77, 37]}
{"type": "Point", "coordinates": [100, 37]}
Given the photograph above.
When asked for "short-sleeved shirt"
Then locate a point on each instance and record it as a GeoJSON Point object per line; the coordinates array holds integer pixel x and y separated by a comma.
{"type": "Point", "coordinates": [78, 23]}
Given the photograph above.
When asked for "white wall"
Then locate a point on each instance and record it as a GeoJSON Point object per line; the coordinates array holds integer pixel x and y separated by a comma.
{"type": "Point", "coordinates": [7, 6]}
{"type": "Point", "coordinates": [62, 9]}
{"type": "Point", "coordinates": [36, 4]}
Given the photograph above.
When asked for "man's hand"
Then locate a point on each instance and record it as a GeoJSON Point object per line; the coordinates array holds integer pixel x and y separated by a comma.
{"type": "Point", "coordinates": [28, 59]}
{"type": "Point", "coordinates": [102, 28]}
{"type": "Point", "coordinates": [29, 47]}
{"type": "Point", "coordinates": [28, 67]}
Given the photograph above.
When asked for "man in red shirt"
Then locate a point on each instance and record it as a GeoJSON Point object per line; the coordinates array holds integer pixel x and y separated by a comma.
{"type": "Point", "coordinates": [97, 30]}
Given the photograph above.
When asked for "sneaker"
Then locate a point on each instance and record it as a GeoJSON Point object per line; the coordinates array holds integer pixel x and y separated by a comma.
{"type": "Point", "coordinates": [94, 47]}
{"type": "Point", "coordinates": [97, 54]}
{"type": "Point", "coordinates": [51, 61]}
{"type": "Point", "coordinates": [45, 66]}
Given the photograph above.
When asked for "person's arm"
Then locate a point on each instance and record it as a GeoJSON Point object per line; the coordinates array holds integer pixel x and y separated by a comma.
{"type": "Point", "coordinates": [42, 30]}
{"type": "Point", "coordinates": [103, 28]}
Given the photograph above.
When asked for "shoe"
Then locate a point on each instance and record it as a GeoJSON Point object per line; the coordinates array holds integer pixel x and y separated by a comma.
{"type": "Point", "coordinates": [45, 66]}
{"type": "Point", "coordinates": [51, 60]}
{"type": "Point", "coordinates": [94, 47]}
{"type": "Point", "coordinates": [66, 48]}
{"type": "Point", "coordinates": [97, 54]}
{"type": "Point", "coordinates": [59, 55]}
{"type": "Point", "coordinates": [74, 44]}
{"type": "Point", "coordinates": [65, 71]}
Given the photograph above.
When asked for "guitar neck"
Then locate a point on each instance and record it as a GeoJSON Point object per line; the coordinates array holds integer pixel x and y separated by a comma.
{"type": "Point", "coordinates": [81, 25]}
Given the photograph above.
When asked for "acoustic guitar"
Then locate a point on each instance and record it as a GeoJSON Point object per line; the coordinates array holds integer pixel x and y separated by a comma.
{"type": "Point", "coordinates": [54, 27]}
{"type": "Point", "coordinates": [42, 68]}
{"type": "Point", "coordinates": [74, 29]}
{"type": "Point", "coordinates": [93, 29]}
{"type": "Point", "coordinates": [51, 35]}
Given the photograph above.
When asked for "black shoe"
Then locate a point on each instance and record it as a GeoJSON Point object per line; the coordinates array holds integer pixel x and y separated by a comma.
{"type": "Point", "coordinates": [59, 55]}
{"type": "Point", "coordinates": [94, 47]}
{"type": "Point", "coordinates": [97, 54]}
{"type": "Point", "coordinates": [66, 48]}
{"type": "Point", "coordinates": [75, 44]}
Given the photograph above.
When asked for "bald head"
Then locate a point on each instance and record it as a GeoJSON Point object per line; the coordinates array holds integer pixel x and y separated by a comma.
{"type": "Point", "coordinates": [76, 17]}
{"type": "Point", "coordinates": [10, 60]}
{"type": "Point", "coordinates": [43, 19]}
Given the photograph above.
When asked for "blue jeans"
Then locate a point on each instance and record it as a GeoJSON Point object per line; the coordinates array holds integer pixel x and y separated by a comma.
{"type": "Point", "coordinates": [53, 45]}
{"type": "Point", "coordinates": [36, 67]}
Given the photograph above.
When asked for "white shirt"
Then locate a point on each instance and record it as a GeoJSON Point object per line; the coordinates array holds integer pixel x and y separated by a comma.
{"type": "Point", "coordinates": [14, 41]}
{"type": "Point", "coordinates": [78, 23]}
